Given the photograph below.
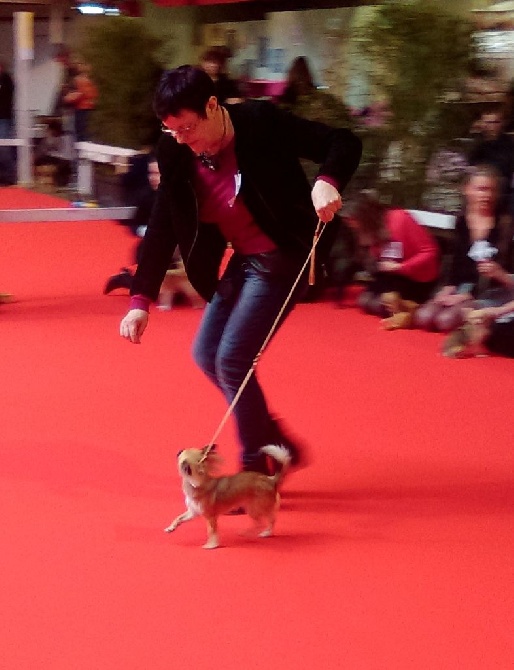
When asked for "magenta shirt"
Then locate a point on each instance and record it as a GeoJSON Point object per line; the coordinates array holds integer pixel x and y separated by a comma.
{"type": "Point", "coordinates": [219, 203]}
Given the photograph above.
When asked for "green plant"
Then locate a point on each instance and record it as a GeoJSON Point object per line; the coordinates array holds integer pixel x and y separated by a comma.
{"type": "Point", "coordinates": [417, 54]}
{"type": "Point", "coordinates": [125, 69]}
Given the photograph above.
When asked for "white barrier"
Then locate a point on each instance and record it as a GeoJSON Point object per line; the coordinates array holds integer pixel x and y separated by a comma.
{"type": "Point", "coordinates": [89, 153]}
{"type": "Point", "coordinates": [11, 143]}
{"type": "Point", "coordinates": [434, 219]}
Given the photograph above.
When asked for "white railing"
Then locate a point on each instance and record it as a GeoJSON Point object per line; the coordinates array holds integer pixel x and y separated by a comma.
{"type": "Point", "coordinates": [89, 153]}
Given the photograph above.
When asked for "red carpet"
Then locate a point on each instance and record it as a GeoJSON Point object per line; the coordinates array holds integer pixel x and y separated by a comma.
{"type": "Point", "coordinates": [393, 550]}
{"type": "Point", "coordinates": [21, 198]}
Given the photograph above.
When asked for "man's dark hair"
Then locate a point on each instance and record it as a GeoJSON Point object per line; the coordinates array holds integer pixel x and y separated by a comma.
{"type": "Point", "coordinates": [185, 87]}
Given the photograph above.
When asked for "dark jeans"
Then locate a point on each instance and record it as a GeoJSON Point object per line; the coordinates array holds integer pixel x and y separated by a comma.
{"type": "Point", "coordinates": [234, 326]}
{"type": "Point", "coordinates": [501, 338]}
{"type": "Point", "coordinates": [82, 125]}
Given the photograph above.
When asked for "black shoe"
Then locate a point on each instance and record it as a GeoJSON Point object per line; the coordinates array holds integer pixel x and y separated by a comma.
{"type": "Point", "coordinates": [298, 454]}
{"type": "Point", "coordinates": [121, 280]}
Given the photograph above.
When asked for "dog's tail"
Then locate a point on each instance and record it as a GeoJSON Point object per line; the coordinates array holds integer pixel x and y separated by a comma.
{"type": "Point", "coordinates": [283, 458]}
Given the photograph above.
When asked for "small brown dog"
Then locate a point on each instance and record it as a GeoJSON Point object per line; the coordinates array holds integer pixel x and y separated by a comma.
{"type": "Point", "coordinates": [467, 340]}
{"type": "Point", "coordinates": [211, 496]}
{"type": "Point", "coordinates": [402, 311]}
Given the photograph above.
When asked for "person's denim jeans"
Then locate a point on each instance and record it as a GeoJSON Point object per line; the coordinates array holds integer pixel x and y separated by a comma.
{"type": "Point", "coordinates": [234, 326]}
{"type": "Point", "coordinates": [82, 125]}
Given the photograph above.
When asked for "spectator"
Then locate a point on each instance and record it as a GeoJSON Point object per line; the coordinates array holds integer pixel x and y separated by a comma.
{"type": "Point", "coordinates": [54, 154]}
{"type": "Point", "coordinates": [214, 62]}
{"type": "Point", "coordinates": [401, 257]}
{"type": "Point", "coordinates": [508, 108]}
{"type": "Point", "coordinates": [7, 162]}
{"type": "Point", "coordinates": [299, 82]}
{"type": "Point", "coordinates": [66, 74]}
{"type": "Point", "coordinates": [495, 147]}
{"type": "Point", "coordinates": [82, 97]}
{"type": "Point", "coordinates": [445, 172]}
{"type": "Point", "coordinates": [140, 185]}
{"type": "Point", "coordinates": [303, 98]}
{"type": "Point", "coordinates": [481, 253]}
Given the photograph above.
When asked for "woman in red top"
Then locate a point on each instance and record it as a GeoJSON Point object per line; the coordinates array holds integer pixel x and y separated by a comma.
{"type": "Point", "coordinates": [401, 256]}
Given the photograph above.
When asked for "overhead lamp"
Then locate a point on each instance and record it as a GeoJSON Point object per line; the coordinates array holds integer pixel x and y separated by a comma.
{"type": "Point", "coordinates": [97, 8]}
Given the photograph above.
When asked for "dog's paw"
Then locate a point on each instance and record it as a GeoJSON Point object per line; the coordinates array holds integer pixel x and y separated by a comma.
{"type": "Point", "coordinates": [211, 544]}
{"type": "Point", "coordinates": [171, 528]}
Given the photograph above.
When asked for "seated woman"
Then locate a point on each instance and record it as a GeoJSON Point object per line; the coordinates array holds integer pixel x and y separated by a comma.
{"type": "Point", "coordinates": [480, 256]}
{"type": "Point", "coordinates": [54, 156]}
{"type": "Point", "coordinates": [401, 257]}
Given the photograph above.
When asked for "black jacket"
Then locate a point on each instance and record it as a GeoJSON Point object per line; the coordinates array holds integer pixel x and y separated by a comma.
{"type": "Point", "coordinates": [268, 143]}
{"type": "Point", "coordinates": [6, 96]}
{"type": "Point", "coordinates": [464, 270]}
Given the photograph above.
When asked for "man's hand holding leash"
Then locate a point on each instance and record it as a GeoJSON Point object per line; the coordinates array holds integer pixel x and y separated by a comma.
{"type": "Point", "coordinates": [326, 200]}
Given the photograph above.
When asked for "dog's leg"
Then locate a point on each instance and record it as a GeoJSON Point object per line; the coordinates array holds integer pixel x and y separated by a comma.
{"type": "Point", "coordinates": [196, 301]}
{"type": "Point", "coordinates": [212, 533]}
{"type": "Point", "coordinates": [185, 516]}
{"type": "Point", "coordinates": [165, 300]}
{"type": "Point", "coordinates": [268, 532]}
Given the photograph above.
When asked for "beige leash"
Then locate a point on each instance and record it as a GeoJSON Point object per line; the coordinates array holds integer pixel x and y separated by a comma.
{"type": "Point", "coordinates": [309, 260]}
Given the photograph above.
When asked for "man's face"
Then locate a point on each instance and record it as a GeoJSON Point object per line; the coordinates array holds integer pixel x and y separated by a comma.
{"type": "Point", "coordinates": [190, 128]}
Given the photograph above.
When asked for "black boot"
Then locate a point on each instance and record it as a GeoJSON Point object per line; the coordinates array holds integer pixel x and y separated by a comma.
{"type": "Point", "coordinates": [278, 436]}
{"type": "Point", "coordinates": [121, 280]}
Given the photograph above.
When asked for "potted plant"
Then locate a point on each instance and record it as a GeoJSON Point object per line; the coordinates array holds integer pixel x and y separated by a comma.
{"type": "Point", "coordinates": [125, 68]}
{"type": "Point", "coordinates": [416, 54]}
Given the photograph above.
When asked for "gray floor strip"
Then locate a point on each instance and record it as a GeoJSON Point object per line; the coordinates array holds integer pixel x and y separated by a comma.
{"type": "Point", "coordinates": [66, 214]}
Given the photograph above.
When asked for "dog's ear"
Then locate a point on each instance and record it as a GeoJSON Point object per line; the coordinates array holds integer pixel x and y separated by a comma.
{"type": "Point", "coordinates": [209, 449]}
{"type": "Point", "coordinates": [179, 452]}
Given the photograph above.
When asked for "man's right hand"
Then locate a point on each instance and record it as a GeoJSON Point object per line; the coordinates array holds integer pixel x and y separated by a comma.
{"type": "Point", "coordinates": [133, 325]}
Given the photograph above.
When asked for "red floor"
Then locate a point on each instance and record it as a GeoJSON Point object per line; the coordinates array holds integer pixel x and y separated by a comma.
{"type": "Point", "coordinates": [393, 550]}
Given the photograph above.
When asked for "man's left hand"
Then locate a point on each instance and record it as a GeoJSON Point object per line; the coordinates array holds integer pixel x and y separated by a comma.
{"type": "Point", "coordinates": [326, 200]}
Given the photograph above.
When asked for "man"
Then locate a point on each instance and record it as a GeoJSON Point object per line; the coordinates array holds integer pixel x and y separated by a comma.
{"type": "Point", "coordinates": [7, 163]}
{"type": "Point", "coordinates": [233, 175]}
{"type": "Point", "coordinates": [495, 148]}
{"type": "Point", "coordinates": [214, 62]}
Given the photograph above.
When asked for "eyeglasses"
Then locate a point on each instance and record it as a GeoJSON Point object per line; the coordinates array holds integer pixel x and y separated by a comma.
{"type": "Point", "coordinates": [183, 130]}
